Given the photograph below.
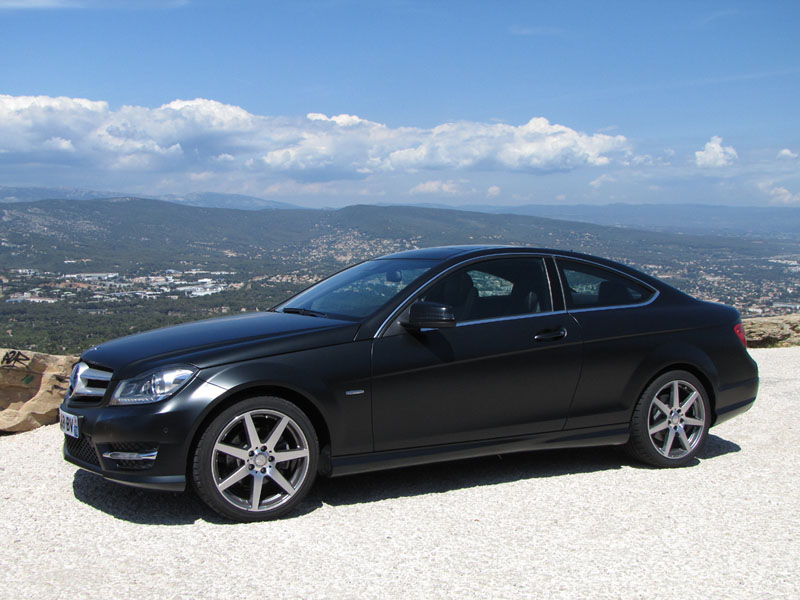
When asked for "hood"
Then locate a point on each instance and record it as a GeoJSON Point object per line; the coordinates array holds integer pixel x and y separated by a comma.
{"type": "Point", "coordinates": [218, 341]}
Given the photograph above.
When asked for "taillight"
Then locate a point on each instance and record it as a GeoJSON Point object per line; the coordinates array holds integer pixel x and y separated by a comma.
{"type": "Point", "coordinates": [738, 329]}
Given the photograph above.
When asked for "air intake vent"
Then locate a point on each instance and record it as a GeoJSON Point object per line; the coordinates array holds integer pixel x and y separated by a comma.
{"type": "Point", "coordinates": [82, 449]}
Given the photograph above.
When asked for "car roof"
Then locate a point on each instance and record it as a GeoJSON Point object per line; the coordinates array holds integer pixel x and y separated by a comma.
{"type": "Point", "coordinates": [448, 254]}
{"type": "Point", "coordinates": [445, 252]}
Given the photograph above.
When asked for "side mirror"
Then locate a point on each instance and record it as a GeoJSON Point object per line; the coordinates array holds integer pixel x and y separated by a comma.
{"type": "Point", "coordinates": [430, 314]}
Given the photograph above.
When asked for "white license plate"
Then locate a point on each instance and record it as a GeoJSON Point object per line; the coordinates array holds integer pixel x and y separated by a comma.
{"type": "Point", "coordinates": [69, 423]}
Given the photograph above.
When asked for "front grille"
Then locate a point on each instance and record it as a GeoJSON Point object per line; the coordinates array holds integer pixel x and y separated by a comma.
{"type": "Point", "coordinates": [82, 449]}
{"type": "Point", "coordinates": [88, 385]}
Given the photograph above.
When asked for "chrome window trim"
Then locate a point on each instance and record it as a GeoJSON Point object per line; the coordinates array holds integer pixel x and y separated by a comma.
{"type": "Point", "coordinates": [615, 306]}
{"type": "Point", "coordinates": [475, 259]}
{"type": "Point", "coordinates": [511, 317]}
{"type": "Point", "coordinates": [656, 292]}
{"type": "Point", "coordinates": [498, 319]}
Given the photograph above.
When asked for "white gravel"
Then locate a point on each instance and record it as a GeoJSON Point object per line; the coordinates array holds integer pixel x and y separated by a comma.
{"type": "Point", "coordinates": [578, 523]}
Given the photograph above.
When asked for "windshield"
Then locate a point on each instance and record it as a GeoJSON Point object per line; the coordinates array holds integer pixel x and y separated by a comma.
{"type": "Point", "coordinates": [359, 291]}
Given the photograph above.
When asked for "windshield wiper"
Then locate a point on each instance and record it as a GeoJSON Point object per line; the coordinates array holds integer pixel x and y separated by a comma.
{"type": "Point", "coordinates": [303, 311]}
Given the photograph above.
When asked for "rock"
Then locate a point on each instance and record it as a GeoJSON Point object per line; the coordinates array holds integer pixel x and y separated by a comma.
{"type": "Point", "coordinates": [32, 385]}
{"type": "Point", "coordinates": [772, 332]}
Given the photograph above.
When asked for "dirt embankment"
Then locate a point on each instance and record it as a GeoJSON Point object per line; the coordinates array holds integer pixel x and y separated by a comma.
{"type": "Point", "coordinates": [773, 332]}
{"type": "Point", "coordinates": [32, 385]}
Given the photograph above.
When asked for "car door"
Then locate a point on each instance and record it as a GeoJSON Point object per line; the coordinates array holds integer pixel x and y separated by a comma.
{"type": "Point", "coordinates": [508, 368]}
{"type": "Point", "coordinates": [617, 325]}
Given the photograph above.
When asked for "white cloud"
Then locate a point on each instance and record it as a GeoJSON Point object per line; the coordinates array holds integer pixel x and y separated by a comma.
{"type": "Point", "coordinates": [435, 187]}
{"type": "Point", "coordinates": [343, 120]}
{"type": "Point", "coordinates": [493, 191]}
{"type": "Point", "coordinates": [536, 145]}
{"type": "Point", "coordinates": [201, 135]}
{"type": "Point", "coordinates": [715, 154]}
{"type": "Point", "coordinates": [57, 143]}
{"type": "Point", "coordinates": [779, 194]}
{"type": "Point", "coordinates": [786, 153]}
{"type": "Point", "coordinates": [603, 179]}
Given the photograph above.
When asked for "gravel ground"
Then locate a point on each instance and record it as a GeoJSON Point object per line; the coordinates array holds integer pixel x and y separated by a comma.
{"type": "Point", "coordinates": [578, 523]}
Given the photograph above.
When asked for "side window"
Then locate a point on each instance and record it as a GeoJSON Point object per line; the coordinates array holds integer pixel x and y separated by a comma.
{"type": "Point", "coordinates": [492, 289]}
{"type": "Point", "coordinates": [588, 286]}
{"type": "Point", "coordinates": [489, 285]}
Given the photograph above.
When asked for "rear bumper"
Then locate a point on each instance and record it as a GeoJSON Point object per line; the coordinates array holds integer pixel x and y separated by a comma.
{"type": "Point", "coordinates": [735, 399]}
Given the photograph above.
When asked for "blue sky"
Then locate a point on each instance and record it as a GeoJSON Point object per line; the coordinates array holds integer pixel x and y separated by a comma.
{"type": "Point", "coordinates": [327, 103]}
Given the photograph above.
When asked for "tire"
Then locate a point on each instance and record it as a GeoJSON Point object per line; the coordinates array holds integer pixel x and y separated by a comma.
{"type": "Point", "coordinates": [256, 460]}
{"type": "Point", "coordinates": [671, 420]}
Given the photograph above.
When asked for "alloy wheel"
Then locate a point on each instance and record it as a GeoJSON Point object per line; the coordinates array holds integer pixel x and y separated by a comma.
{"type": "Point", "coordinates": [676, 419]}
{"type": "Point", "coordinates": [260, 460]}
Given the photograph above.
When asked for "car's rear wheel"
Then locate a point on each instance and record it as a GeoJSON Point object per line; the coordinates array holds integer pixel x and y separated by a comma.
{"type": "Point", "coordinates": [671, 420]}
{"type": "Point", "coordinates": [256, 460]}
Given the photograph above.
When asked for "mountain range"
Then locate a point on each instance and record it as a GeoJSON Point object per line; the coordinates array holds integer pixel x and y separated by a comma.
{"type": "Point", "coordinates": [140, 234]}
{"type": "Point", "coordinates": [769, 222]}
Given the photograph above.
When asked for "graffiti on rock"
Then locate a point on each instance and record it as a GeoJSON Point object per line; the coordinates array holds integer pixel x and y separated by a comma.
{"type": "Point", "coordinates": [14, 358]}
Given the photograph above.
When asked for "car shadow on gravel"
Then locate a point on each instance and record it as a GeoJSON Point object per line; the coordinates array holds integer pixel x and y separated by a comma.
{"type": "Point", "coordinates": [445, 477]}
{"type": "Point", "coordinates": [149, 507]}
{"type": "Point", "coordinates": [165, 508]}
{"type": "Point", "coordinates": [716, 446]}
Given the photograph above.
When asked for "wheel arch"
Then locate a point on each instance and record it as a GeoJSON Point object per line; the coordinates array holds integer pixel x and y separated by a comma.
{"type": "Point", "coordinates": [697, 372]}
{"type": "Point", "coordinates": [299, 399]}
{"type": "Point", "coordinates": [675, 357]}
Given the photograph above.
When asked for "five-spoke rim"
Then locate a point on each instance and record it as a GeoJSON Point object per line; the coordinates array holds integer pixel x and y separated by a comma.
{"type": "Point", "coordinates": [260, 460]}
{"type": "Point", "coordinates": [676, 419]}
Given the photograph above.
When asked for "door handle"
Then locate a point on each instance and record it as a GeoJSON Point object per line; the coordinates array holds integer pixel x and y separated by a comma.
{"type": "Point", "coordinates": [550, 335]}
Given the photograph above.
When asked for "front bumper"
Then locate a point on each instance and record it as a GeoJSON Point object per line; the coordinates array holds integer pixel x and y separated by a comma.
{"type": "Point", "coordinates": [111, 437]}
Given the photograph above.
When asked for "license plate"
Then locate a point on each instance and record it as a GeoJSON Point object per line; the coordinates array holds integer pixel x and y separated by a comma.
{"type": "Point", "coordinates": [69, 423]}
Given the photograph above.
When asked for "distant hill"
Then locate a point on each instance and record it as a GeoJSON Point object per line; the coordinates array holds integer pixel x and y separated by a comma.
{"type": "Point", "coordinates": [767, 222]}
{"type": "Point", "coordinates": [135, 233]}
{"type": "Point", "coordinates": [238, 201]}
{"type": "Point", "coordinates": [699, 219]}
{"type": "Point", "coordinates": [10, 194]}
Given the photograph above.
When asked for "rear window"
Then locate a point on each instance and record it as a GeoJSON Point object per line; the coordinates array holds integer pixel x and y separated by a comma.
{"type": "Point", "coordinates": [590, 286]}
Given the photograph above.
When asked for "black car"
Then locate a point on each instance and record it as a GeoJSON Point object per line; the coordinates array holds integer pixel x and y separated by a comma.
{"type": "Point", "coordinates": [420, 356]}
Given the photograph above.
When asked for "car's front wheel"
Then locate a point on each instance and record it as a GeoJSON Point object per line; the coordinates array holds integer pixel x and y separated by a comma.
{"type": "Point", "coordinates": [671, 420]}
{"type": "Point", "coordinates": [256, 460]}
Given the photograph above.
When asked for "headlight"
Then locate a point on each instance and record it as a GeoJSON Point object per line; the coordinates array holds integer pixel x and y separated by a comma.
{"type": "Point", "coordinates": [152, 386]}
